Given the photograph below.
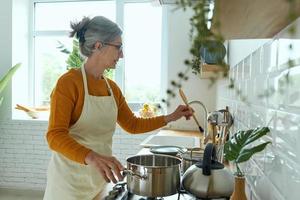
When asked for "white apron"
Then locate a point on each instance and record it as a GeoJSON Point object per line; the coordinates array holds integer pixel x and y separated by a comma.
{"type": "Point", "coordinates": [69, 180]}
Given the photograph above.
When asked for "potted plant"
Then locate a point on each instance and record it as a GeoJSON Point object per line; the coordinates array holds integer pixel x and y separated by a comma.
{"type": "Point", "coordinates": [6, 78]}
{"type": "Point", "coordinates": [238, 150]}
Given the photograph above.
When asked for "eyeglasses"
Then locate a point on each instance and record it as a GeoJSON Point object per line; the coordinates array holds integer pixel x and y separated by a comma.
{"type": "Point", "coordinates": [118, 46]}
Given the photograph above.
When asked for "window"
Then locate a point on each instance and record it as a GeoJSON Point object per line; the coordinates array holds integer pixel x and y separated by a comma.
{"type": "Point", "coordinates": [142, 25]}
{"type": "Point", "coordinates": [49, 30]}
{"type": "Point", "coordinates": [138, 74]}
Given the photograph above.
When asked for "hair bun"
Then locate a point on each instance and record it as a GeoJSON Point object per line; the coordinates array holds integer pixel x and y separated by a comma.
{"type": "Point", "coordinates": [79, 29]}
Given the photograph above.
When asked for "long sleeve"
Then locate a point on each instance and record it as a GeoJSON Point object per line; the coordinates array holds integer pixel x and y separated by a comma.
{"type": "Point", "coordinates": [132, 124]}
{"type": "Point", "coordinates": [58, 137]}
{"type": "Point", "coordinates": [67, 100]}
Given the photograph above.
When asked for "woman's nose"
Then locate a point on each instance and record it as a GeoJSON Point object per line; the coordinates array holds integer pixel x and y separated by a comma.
{"type": "Point", "coordinates": [121, 55]}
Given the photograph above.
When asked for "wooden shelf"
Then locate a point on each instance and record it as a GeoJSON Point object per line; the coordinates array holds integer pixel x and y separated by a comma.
{"type": "Point", "coordinates": [208, 71]}
{"type": "Point", "coordinates": [251, 19]}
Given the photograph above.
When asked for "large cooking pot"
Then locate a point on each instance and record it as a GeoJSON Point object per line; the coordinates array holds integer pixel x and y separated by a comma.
{"type": "Point", "coordinates": [153, 175]}
{"type": "Point", "coordinates": [208, 178]}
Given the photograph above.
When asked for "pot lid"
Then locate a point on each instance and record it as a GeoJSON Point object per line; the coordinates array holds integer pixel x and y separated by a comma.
{"type": "Point", "coordinates": [168, 150]}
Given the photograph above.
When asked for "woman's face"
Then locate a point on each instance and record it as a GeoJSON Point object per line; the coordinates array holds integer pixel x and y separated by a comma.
{"type": "Point", "coordinates": [113, 51]}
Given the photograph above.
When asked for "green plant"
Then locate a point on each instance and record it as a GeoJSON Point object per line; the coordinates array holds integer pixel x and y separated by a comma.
{"type": "Point", "coordinates": [6, 78]}
{"type": "Point", "coordinates": [237, 148]}
{"type": "Point", "coordinates": [200, 35]}
{"type": "Point", "coordinates": [74, 60]}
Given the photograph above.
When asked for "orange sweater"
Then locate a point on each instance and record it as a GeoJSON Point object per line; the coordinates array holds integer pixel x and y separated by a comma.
{"type": "Point", "coordinates": [66, 106]}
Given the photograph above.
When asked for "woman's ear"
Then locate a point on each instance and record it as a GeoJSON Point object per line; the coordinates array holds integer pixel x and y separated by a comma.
{"type": "Point", "coordinates": [97, 45]}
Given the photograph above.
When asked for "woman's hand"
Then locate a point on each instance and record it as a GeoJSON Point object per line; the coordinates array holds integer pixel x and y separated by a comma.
{"type": "Point", "coordinates": [108, 166]}
{"type": "Point", "coordinates": [180, 111]}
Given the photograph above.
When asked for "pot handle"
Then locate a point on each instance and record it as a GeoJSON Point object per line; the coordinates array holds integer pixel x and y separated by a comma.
{"type": "Point", "coordinates": [209, 155]}
{"type": "Point", "coordinates": [131, 173]}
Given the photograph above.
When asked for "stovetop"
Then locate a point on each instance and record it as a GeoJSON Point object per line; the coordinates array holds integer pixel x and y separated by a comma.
{"type": "Point", "coordinates": [119, 192]}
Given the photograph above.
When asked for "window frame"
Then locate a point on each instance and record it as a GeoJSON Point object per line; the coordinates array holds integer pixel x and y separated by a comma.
{"type": "Point", "coordinates": [119, 72]}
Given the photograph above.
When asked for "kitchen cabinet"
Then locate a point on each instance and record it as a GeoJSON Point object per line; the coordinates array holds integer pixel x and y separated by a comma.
{"type": "Point", "coordinates": [245, 19]}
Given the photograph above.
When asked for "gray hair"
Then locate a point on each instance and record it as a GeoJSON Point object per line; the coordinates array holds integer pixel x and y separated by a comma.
{"type": "Point", "coordinates": [89, 31]}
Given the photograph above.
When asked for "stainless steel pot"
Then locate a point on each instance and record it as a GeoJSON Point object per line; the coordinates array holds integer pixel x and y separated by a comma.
{"type": "Point", "coordinates": [153, 175]}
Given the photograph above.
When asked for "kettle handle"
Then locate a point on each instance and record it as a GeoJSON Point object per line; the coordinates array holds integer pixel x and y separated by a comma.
{"type": "Point", "coordinates": [209, 155]}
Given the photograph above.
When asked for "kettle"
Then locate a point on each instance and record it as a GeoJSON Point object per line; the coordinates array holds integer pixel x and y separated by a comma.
{"type": "Point", "coordinates": [208, 178]}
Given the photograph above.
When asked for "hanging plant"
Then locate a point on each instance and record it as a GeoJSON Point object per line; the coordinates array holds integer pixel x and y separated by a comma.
{"type": "Point", "coordinates": [207, 47]}
{"type": "Point", "coordinates": [204, 40]}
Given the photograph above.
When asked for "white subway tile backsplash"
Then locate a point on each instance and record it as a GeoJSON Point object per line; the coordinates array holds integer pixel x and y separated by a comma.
{"type": "Point", "coordinates": [269, 59]}
{"type": "Point", "coordinates": [275, 172]}
{"type": "Point", "coordinates": [276, 82]}
{"type": "Point", "coordinates": [240, 71]}
{"type": "Point", "coordinates": [256, 63]}
{"type": "Point", "coordinates": [257, 116]}
{"type": "Point", "coordinates": [293, 89]}
{"type": "Point", "coordinates": [288, 49]}
{"type": "Point", "coordinates": [247, 67]}
{"type": "Point", "coordinates": [260, 88]}
{"type": "Point", "coordinates": [287, 131]}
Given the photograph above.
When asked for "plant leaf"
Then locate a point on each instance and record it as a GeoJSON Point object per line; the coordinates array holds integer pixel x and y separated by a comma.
{"type": "Point", "coordinates": [257, 134]}
{"type": "Point", "coordinates": [247, 153]}
{"type": "Point", "coordinates": [229, 155]}
{"type": "Point", "coordinates": [234, 149]}
{"type": "Point", "coordinates": [8, 76]}
{"type": "Point", "coordinates": [243, 136]}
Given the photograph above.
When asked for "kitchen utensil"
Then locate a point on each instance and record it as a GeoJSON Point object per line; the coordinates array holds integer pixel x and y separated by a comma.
{"type": "Point", "coordinates": [184, 99]}
{"type": "Point", "coordinates": [168, 150]}
{"type": "Point", "coordinates": [208, 178]}
{"type": "Point", "coordinates": [221, 118]}
{"type": "Point", "coordinates": [220, 121]}
{"type": "Point", "coordinates": [153, 175]}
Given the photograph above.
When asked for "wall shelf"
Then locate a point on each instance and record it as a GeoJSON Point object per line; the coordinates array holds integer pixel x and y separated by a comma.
{"type": "Point", "coordinates": [209, 71]}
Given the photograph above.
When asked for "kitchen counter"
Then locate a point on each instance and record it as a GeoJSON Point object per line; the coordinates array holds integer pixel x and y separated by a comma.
{"type": "Point", "coordinates": [146, 151]}
{"type": "Point", "coordinates": [176, 133]}
{"type": "Point", "coordinates": [181, 133]}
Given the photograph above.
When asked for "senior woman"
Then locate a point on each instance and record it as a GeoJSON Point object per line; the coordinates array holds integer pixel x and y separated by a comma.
{"type": "Point", "coordinates": [85, 107]}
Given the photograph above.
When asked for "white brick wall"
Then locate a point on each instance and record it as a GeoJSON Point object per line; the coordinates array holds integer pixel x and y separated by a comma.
{"type": "Point", "coordinates": [24, 153]}
{"type": "Point", "coordinates": [273, 174]}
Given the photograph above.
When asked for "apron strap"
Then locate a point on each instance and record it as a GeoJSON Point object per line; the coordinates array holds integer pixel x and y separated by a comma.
{"type": "Point", "coordinates": [86, 91]}
{"type": "Point", "coordinates": [110, 91]}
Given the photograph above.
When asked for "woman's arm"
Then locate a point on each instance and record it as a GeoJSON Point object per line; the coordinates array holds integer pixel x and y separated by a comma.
{"type": "Point", "coordinates": [132, 124]}
{"type": "Point", "coordinates": [63, 100]}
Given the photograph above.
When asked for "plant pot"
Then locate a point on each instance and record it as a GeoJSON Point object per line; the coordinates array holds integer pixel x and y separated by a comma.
{"type": "Point", "coordinates": [239, 189]}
